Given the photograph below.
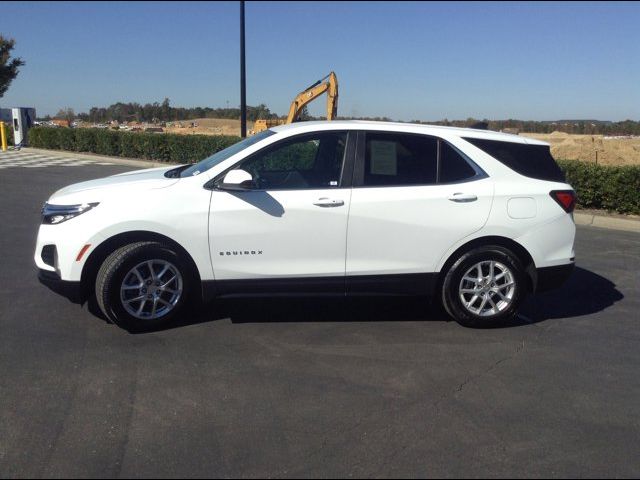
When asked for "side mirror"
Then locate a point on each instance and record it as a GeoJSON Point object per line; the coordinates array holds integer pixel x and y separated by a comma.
{"type": "Point", "coordinates": [237, 180]}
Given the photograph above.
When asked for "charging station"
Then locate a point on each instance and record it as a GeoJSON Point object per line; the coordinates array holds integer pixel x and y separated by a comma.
{"type": "Point", "coordinates": [23, 119]}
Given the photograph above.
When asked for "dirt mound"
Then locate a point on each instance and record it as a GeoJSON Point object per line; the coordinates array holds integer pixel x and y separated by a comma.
{"type": "Point", "coordinates": [206, 126]}
{"type": "Point", "coordinates": [592, 148]}
{"type": "Point", "coordinates": [557, 134]}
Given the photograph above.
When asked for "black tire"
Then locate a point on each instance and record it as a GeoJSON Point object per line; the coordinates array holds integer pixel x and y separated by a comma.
{"type": "Point", "coordinates": [452, 302]}
{"type": "Point", "coordinates": [112, 274]}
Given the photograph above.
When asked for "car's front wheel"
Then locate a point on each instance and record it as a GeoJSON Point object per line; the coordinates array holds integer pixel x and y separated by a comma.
{"type": "Point", "coordinates": [143, 286]}
{"type": "Point", "coordinates": [484, 287]}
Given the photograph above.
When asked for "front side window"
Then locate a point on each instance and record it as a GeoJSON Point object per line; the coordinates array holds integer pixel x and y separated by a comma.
{"type": "Point", "coordinates": [222, 155]}
{"type": "Point", "coordinates": [395, 159]}
{"type": "Point", "coordinates": [303, 162]}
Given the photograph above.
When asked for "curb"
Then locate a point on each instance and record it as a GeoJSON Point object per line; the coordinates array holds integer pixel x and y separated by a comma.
{"type": "Point", "coordinates": [131, 162]}
{"type": "Point", "coordinates": [609, 222]}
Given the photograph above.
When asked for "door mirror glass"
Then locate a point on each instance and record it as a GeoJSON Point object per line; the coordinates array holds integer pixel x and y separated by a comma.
{"type": "Point", "coordinates": [237, 180]}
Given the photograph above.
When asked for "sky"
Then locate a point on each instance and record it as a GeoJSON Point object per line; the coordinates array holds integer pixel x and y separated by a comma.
{"type": "Point", "coordinates": [404, 60]}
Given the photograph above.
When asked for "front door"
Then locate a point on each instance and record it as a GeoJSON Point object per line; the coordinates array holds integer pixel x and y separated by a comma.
{"type": "Point", "coordinates": [291, 224]}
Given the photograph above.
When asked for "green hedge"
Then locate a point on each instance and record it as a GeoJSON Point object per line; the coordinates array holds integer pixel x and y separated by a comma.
{"type": "Point", "coordinates": [8, 130]}
{"type": "Point", "coordinates": [613, 188]}
{"type": "Point", "coordinates": [162, 147]}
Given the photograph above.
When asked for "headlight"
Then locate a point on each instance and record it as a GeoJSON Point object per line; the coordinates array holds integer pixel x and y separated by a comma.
{"type": "Point", "coordinates": [54, 214]}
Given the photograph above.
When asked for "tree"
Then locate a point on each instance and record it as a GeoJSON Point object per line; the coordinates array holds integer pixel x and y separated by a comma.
{"type": "Point", "coordinates": [66, 114]}
{"type": "Point", "coordinates": [165, 110]}
{"type": "Point", "coordinates": [8, 66]}
{"type": "Point", "coordinates": [304, 115]}
{"type": "Point", "coordinates": [259, 112]}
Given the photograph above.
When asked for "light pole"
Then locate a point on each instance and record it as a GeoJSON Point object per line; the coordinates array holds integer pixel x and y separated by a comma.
{"type": "Point", "coordinates": [243, 79]}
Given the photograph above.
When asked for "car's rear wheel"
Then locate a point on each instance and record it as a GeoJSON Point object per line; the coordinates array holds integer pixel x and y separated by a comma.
{"type": "Point", "coordinates": [484, 287]}
{"type": "Point", "coordinates": [143, 286]}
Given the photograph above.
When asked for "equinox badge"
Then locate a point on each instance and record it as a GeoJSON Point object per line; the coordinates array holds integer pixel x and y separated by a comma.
{"type": "Point", "coordinates": [241, 252]}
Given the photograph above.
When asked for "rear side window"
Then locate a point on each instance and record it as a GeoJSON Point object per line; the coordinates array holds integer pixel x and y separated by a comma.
{"type": "Point", "coordinates": [534, 161]}
{"type": "Point", "coordinates": [453, 167]}
{"type": "Point", "coordinates": [409, 159]}
{"type": "Point", "coordinates": [393, 159]}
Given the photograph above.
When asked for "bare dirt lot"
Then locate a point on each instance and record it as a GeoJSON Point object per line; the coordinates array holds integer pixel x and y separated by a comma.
{"type": "Point", "coordinates": [207, 126]}
{"type": "Point", "coordinates": [589, 148]}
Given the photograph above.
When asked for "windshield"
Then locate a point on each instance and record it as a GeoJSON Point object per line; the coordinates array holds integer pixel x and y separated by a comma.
{"type": "Point", "coordinates": [222, 155]}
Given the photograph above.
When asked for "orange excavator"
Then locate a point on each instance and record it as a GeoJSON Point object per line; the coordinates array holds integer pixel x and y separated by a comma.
{"type": "Point", "coordinates": [328, 84]}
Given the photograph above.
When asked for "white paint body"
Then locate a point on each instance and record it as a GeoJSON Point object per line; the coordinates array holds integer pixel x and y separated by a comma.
{"type": "Point", "coordinates": [374, 231]}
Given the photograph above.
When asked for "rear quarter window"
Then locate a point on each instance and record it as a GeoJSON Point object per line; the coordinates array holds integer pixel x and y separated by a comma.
{"type": "Point", "coordinates": [453, 168]}
{"type": "Point", "coordinates": [533, 161]}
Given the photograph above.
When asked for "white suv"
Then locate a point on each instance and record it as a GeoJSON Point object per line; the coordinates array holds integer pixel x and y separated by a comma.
{"type": "Point", "coordinates": [475, 218]}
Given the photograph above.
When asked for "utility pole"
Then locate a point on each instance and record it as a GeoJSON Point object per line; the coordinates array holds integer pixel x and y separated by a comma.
{"type": "Point", "coordinates": [243, 79]}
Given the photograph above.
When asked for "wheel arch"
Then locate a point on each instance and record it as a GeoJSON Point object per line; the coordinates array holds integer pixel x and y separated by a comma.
{"type": "Point", "coordinates": [102, 251]}
{"type": "Point", "coordinates": [518, 250]}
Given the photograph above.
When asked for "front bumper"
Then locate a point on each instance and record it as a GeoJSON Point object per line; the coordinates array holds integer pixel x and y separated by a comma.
{"type": "Point", "coordinates": [70, 290]}
{"type": "Point", "coordinates": [549, 278]}
{"type": "Point", "coordinates": [66, 241]}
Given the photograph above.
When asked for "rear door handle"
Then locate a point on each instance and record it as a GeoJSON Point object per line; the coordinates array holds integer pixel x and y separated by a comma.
{"type": "Point", "coordinates": [463, 197]}
{"type": "Point", "coordinates": [328, 202]}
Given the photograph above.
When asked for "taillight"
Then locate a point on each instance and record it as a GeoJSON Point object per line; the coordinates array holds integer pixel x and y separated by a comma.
{"type": "Point", "coordinates": [565, 198]}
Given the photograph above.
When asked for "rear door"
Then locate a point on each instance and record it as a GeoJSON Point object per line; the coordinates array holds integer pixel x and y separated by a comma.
{"type": "Point", "coordinates": [414, 197]}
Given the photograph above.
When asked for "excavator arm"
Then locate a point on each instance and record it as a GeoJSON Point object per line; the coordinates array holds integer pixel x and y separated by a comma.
{"type": "Point", "coordinates": [313, 92]}
{"type": "Point", "coordinates": [329, 86]}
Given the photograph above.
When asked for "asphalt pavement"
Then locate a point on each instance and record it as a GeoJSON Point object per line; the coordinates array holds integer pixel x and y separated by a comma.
{"type": "Point", "coordinates": [373, 387]}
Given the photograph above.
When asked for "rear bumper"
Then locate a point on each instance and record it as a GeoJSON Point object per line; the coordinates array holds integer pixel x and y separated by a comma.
{"type": "Point", "coordinates": [69, 290]}
{"type": "Point", "coordinates": [549, 278]}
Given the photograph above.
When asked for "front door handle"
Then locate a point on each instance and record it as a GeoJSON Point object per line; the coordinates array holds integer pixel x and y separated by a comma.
{"type": "Point", "coordinates": [328, 202]}
{"type": "Point", "coordinates": [463, 197]}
